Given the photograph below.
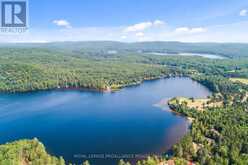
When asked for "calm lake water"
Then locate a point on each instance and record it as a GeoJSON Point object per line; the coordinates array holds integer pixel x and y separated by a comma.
{"type": "Point", "coordinates": [76, 124]}
{"type": "Point", "coordinates": [205, 55]}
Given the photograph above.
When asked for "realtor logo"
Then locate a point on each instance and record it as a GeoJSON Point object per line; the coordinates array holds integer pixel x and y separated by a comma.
{"type": "Point", "coordinates": [13, 16]}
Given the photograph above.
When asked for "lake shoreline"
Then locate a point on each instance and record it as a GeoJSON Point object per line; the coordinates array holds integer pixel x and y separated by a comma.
{"type": "Point", "coordinates": [165, 102]}
{"type": "Point", "coordinates": [107, 89]}
{"type": "Point", "coordinates": [172, 109]}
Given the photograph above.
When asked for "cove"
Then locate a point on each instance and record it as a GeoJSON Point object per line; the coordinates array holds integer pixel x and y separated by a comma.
{"type": "Point", "coordinates": [80, 125]}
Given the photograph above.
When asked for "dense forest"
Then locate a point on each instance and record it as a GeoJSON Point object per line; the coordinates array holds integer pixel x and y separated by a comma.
{"type": "Point", "coordinates": [40, 69]}
{"type": "Point", "coordinates": [219, 135]}
{"type": "Point", "coordinates": [25, 152]}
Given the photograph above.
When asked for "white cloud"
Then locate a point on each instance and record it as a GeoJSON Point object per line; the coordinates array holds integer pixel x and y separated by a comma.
{"type": "Point", "coordinates": [198, 30]}
{"type": "Point", "coordinates": [190, 30]}
{"type": "Point", "coordinates": [243, 12]}
{"type": "Point", "coordinates": [217, 33]}
{"type": "Point", "coordinates": [182, 29]}
{"type": "Point", "coordinates": [140, 34]}
{"type": "Point", "coordinates": [123, 37]}
{"type": "Point", "coordinates": [139, 27]}
{"type": "Point", "coordinates": [144, 26]}
{"type": "Point", "coordinates": [158, 23]}
{"type": "Point", "coordinates": [62, 23]}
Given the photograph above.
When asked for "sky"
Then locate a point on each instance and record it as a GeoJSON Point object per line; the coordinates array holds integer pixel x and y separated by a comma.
{"type": "Point", "coordinates": [135, 20]}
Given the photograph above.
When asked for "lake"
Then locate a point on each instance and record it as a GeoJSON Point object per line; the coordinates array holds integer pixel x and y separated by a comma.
{"type": "Point", "coordinates": [81, 125]}
{"type": "Point", "coordinates": [205, 55]}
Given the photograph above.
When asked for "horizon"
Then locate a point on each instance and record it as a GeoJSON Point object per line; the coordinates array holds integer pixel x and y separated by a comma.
{"type": "Point", "coordinates": [124, 42]}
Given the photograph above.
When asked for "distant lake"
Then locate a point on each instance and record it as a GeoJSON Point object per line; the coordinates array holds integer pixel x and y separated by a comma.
{"type": "Point", "coordinates": [77, 124]}
{"type": "Point", "coordinates": [211, 56]}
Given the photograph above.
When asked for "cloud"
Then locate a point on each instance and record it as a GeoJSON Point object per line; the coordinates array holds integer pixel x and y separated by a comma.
{"type": "Point", "coordinates": [214, 33]}
{"type": "Point", "coordinates": [182, 29]}
{"type": "Point", "coordinates": [190, 30]}
{"type": "Point", "coordinates": [62, 23]}
{"type": "Point", "coordinates": [140, 34]}
{"type": "Point", "coordinates": [143, 26]}
{"type": "Point", "coordinates": [139, 27]}
{"type": "Point", "coordinates": [158, 23]}
{"type": "Point", "coordinates": [198, 30]}
{"type": "Point", "coordinates": [243, 12]}
{"type": "Point", "coordinates": [123, 37]}
{"type": "Point", "coordinates": [218, 33]}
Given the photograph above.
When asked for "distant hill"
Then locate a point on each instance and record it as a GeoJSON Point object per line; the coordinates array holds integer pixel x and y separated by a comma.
{"type": "Point", "coordinates": [231, 50]}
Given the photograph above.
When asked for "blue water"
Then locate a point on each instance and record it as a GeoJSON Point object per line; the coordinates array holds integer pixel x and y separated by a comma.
{"type": "Point", "coordinates": [76, 124]}
{"type": "Point", "coordinates": [205, 55]}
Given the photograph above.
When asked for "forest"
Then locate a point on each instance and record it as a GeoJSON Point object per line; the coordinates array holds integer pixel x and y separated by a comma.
{"type": "Point", "coordinates": [24, 70]}
{"type": "Point", "coordinates": [218, 135]}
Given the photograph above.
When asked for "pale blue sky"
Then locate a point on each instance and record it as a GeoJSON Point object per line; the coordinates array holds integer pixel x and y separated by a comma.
{"type": "Point", "coordinates": [136, 20]}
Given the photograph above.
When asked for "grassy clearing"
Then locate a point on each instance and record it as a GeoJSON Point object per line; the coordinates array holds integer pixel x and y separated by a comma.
{"type": "Point", "coordinates": [199, 104]}
{"type": "Point", "coordinates": [241, 80]}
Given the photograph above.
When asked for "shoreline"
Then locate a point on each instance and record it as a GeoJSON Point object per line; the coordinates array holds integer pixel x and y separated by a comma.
{"type": "Point", "coordinates": [165, 102]}
{"type": "Point", "coordinates": [107, 89]}
{"type": "Point", "coordinates": [172, 108]}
